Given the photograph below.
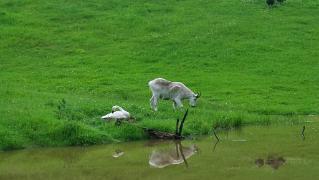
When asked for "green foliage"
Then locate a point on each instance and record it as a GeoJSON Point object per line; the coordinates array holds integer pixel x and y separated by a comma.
{"type": "Point", "coordinates": [73, 133]}
{"type": "Point", "coordinates": [10, 140]}
{"type": "Point", "coordinates": [62, 110]}
{"type": "Point", "coordinates": [228, 120]}
{"type": "Point", "coordinates": [64, 64]}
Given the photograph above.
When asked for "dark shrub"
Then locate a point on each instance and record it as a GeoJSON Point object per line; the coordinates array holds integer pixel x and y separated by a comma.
{"type": "Point", "coordinates": [281, 1]}
{"type": "Point", "coordinates": [270, 2]}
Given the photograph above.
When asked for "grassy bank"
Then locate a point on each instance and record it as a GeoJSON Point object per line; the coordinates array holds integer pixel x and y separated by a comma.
{"type": "Point", "coordinates": [63, 64]}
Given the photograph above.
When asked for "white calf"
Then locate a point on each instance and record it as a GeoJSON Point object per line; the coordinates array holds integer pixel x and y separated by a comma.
{"type": "Point", "coordinates": [167, 90]}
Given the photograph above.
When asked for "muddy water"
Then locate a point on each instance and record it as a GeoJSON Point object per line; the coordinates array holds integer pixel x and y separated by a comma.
{"type": "Point", "coordinates": [278, 152]}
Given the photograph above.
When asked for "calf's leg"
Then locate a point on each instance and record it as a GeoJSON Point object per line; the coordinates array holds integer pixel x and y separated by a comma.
{"type": "Point", "coordinates": [178, 102]}
{"type": "Point", "coordinates": [174, 105]}
{"type": "Point", "coordinates": [153, 102]}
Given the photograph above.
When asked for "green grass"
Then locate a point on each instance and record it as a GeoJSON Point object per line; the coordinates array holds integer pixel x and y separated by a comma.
{"type": "Point", "coordinates": [253, 65]}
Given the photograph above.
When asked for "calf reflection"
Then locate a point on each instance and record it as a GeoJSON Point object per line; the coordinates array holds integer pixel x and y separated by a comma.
{"type": "Point", "coordinates": [177, 155]}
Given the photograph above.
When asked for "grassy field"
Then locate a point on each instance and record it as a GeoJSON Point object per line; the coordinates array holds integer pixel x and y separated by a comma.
{"type": "Point", "coordinates": [63, 64]}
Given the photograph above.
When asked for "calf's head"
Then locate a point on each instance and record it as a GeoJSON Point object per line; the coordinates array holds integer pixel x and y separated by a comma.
{"type": "Point", "coordinates": [193, 99]}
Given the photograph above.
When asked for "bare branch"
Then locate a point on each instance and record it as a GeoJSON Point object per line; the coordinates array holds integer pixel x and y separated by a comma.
{"type": "Point", "coordinates": [182, 123]}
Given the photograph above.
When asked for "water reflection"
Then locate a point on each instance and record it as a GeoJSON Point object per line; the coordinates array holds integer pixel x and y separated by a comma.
{"type": "Point", "coordinates": [118, 153]}
{"type": "Point", "coordinates": [272, 160]}
{"type": "Point", "coordinates": [259, 162]}
{"type": "Point", "coordinates": [155, 142]}
{"type": "Point", "coordinates": [173, 155]}
{"type": "Point", "coordinates": [265, 151]}
{"type": "Point", "coordinates": [275, 162]}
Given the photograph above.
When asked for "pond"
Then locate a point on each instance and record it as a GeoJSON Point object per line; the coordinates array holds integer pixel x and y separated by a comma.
{"type": "Point", "coordinates": [273, 152]}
